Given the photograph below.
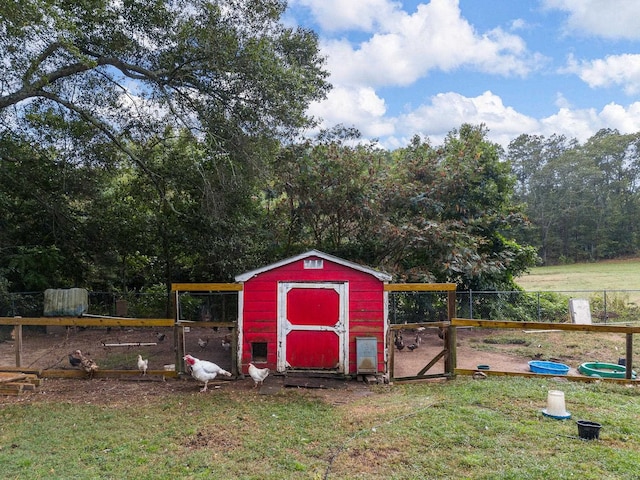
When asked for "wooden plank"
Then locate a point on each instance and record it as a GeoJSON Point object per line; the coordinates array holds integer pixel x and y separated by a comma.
{"type": "Point", "coordinates": [431, 376]}
{"type": "Point", "coordinates": [433, 361]}
{"type": "Point", "coordinates": [414, 326]}
{"type": "Point", "coordinates": [192, 323]}
{"type": "Point", "coordinates": [573, 378]}
{"type": "Point", "coordinates": [18, 344]}
{"type": "Point", "coordinates": [6, 377]}
{"type": "Point", "coordinates": [88, 321]}
{"type": "Point", "coordinates": [9, 368]}
{"type": "Point", "coordinates": [629, 357]}
{"type": "Point", "coordinates": [419, 287]}
{"type": "Point", "coordinates": [10, 391]}
{"type": "Point", "coordinates": [462, 322]}
{"type": "Point", "coordinates": [206, 287]}
{"type": "Point", "coordinates": [21, 386]}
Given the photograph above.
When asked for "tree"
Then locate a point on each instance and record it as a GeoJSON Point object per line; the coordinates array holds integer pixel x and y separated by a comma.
{"type": "Point", "coordinates": [582, 199]}
{"type": "Point", "coordinates": [105, 83]}
{"type": "Point", "coordinates": [324, 195]}
{"type": "Point", "coordinates": [226, 70]}
{"type": "Point", "coordinates": [442, 214]}
{"type": "Point", "coordinates": [451, 216]}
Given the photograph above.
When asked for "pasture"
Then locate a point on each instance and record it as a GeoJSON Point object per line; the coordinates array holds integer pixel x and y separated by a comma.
{"type": "Point", "coordinates": [613, 275]}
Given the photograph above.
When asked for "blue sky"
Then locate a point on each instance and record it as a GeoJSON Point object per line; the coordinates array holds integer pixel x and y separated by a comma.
{"type": "Point", "coordinates": [540, 67]}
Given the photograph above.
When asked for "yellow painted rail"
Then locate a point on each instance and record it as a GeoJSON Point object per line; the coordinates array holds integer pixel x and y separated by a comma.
{"type": "Point", "coordinates": [574, 327]}
{"type": "Point", "coordinates": [89, 321]}
{"type": "Point", "coordinates": [206, 287]}
{"type": "Point", "coordinates": [420, 287]}
{"type": "Point", "coordinates": [627, 330]}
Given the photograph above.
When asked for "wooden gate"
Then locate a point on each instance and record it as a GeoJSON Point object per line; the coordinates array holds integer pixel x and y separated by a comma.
{"type": "Point", "coordinates": [448, 332]}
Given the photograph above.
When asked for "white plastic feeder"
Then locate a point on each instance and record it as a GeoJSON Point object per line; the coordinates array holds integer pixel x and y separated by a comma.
{"type": "Point", "coordinates": [555, 406]}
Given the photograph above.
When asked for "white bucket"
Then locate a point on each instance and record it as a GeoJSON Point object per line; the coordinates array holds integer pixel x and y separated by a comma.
{"type": "Point", "coordinates": [555, 404]}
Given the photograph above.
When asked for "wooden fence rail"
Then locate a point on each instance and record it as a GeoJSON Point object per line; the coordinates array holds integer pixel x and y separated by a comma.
{"type": "Point", "coordinates": [627, 330]}
{"type": "Point", "coordinates": [19, 322]}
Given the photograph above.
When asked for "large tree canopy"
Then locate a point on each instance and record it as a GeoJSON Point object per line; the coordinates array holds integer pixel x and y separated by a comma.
{"type": "Point", "coordinates": [181, 100]}
{"type": "Point", "coordinates": [129, 68]}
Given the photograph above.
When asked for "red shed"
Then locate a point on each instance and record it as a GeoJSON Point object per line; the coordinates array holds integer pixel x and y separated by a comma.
{"type": "Point", "coordinates": [309, 312]}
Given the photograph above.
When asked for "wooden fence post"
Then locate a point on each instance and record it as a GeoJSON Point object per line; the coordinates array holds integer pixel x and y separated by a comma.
{"type": "Point", "coordinates": [17, 332]}
{"type": "Point", "coordinates": [450, 336]}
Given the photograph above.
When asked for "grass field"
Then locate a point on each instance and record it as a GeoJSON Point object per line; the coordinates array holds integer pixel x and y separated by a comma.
{"type": "Point", "coordinates": [461, 429]}
{"type": "Point", "coordinates": [615, 275]}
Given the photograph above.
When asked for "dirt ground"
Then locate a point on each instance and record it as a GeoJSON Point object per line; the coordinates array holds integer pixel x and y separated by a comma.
{"type": "Point", "coordinates": [118, 349]}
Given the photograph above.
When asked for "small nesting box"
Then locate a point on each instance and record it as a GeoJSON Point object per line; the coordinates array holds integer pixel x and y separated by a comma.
{"type": "Point", "coordinates": [305, 313]}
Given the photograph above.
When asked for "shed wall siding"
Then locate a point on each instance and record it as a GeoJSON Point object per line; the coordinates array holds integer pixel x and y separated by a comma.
{"type": "Point", "coordinates": [366, 306]}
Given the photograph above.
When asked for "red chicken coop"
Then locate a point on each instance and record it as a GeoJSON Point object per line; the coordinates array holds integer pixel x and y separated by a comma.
{"type": "Point", "coordinates": [313, 312]}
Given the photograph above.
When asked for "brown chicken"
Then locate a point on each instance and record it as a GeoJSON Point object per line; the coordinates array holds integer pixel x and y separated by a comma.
{"type": "Point", "coordinates": [88, 365]}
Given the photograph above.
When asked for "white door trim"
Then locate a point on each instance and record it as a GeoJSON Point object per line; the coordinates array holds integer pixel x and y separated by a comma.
{"type": "Point", "coordinates": [341, 328]}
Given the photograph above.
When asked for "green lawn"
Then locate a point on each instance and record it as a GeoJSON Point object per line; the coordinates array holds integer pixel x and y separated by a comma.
{"type": "Point", "coordinates": [473, 429]}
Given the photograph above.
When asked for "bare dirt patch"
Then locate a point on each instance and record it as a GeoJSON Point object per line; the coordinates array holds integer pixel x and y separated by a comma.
{"type": "Point", "coordinates": [408, 362]}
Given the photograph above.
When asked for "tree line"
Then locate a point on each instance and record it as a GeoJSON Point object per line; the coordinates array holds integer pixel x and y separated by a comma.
{"type": "Point", "coordinates": [144, 144]}
{"type": "Point", "coordinates": [583, 200]}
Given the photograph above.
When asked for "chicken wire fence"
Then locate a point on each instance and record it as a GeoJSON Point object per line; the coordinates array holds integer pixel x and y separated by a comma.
{"type": "Point", "coordinates": [404, 307]}
{"type": "Point", "coordinates": [605, 305]}
{"type": "Point", "coordinates": [115, 347]}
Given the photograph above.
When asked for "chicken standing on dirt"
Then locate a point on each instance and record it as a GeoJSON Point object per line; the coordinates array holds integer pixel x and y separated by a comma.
{"type": "Point", "coordinates": [258, 374]}
{"type": "Point", "coordinates": [88, 365]}
{"type": "Point", "coordinates": [204, 371]}
{"type": "Point", "coordinates": [143, 364]}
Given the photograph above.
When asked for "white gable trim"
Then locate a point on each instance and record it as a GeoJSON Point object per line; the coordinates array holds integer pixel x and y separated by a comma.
{"type": "Point", "coordinates": [314, 253]}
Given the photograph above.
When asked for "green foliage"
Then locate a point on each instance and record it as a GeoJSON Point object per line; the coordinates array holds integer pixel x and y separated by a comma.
{"type": "Point", "coordinates": [450, 215]}
{"type": "Point", "coordinates": [582, 199]}
{"type": "Point", "coordinates": [617, 308]}
{"type": "Point", "coordinates": [89, 144]}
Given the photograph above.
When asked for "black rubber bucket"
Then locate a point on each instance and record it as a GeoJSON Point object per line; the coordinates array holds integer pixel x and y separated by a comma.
{"type": "Point", "coordinates": [588, 430]}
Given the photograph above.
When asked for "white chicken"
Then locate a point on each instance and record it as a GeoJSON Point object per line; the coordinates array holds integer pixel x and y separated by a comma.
{"type": "Point", "coordinates": [258, 374]}
{"type": "Point", "coordinates": [204, 371]}
{"type": "Point", "coordinates": [143, 364]}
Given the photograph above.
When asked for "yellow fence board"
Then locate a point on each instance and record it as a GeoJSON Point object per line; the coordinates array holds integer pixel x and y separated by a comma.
{"type": "Point", "coordinates": [206, 287]}
{"type": "Point", "coordinates": [89, 321]}
{"type": "Point", "coordinates": [420, 287]}
{"type": "Point", "coordinates": [465, 322]}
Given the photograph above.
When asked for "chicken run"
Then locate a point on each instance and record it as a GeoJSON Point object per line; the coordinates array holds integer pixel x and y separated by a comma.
{"type": "Point", "coordinates": [118, 349]}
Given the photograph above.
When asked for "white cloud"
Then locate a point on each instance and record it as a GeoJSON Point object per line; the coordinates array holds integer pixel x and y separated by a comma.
{"type": "Point", "coordinates": [362, 15]}
{"type": "Point", "coordinates": [358, 107]}
{"type": "Point", "coordinates": [614, 70]}
{"type": "Point", "coordinates": [447, 111]}
{"type": "Point", "coordinates": [606, 18]}
{"type": "Point", "coordinates": [624, 120]}
{"type": "Point", "coordinates": [584, 123]}
{"type": "Point", "coordinates": [408, 46]}
{"type": "Point", "coordinates": [579, 124]}
{"type": "Point", "coordinates": [450, 110]}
